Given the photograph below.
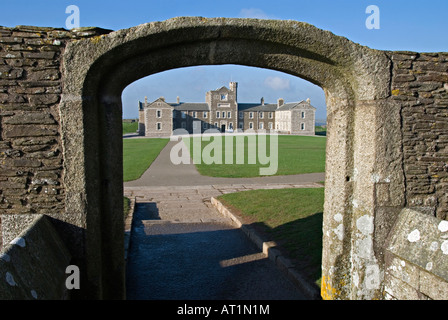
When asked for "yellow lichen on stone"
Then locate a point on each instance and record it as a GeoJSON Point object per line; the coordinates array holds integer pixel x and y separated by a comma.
{"type": "Point", "coordinates": [395, 92]}
{"type": "Point", "coordinates": [96, 39]}
{"type": "Point", "coordinates": [327, 291]}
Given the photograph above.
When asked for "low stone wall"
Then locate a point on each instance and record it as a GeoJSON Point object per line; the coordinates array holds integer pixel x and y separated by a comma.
{"type": "Point", "coordinates": [416, 258]}
{"type": "Point", "coordinates": [32, 266]}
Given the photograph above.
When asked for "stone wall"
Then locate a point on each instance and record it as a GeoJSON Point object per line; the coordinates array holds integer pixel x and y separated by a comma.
{"type": "Point", "coordinates": [308, 122]}
{"type": "Point", "coordinates": [158, 120]}
{"type": "Point", "coordinates": [416, 258]}
{"type": "Point", "coordinates": [420, 85]}
{"type": "Point", "coordinates": [31, 165]}
{"type": "Point", "coordinates": [33, 265]}
{"type": "Point", "coordinates": [60, 153]}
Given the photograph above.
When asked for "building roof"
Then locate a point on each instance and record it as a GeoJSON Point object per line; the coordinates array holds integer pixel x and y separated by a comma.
{"type": "Point", "coordinates": [187, 106]}
{"type": "Point", "coordinates": [256, 107]}
{"type": "Point", "coordinates": [293, 105]}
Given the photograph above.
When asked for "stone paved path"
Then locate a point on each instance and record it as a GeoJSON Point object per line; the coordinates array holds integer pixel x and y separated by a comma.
{"type": "Point", "coordinates": [177, 199]}
{"type": "Point", "coordinates": [199, 261]}
{"type": "Point", "coordinates": [192, 203]}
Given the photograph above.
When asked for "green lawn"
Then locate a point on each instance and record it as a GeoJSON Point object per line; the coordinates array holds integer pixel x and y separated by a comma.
{"type": "Point", "coordinates": [138, 154]}
{"type": "Point", "coordinates": [126, 206]}
{"type": "Point", "coordinates": [321, 131]}
{"type": "Point", "coordinates": [291, 217]}
{"type": "Point", "coordinates": [296, 155]}
{"type": "Point", "coordinates": [130, 127]}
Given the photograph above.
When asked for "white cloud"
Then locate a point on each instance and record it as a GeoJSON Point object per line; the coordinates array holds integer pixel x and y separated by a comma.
{"type": "Point", "coordinates": [254, 13]}
{"type": "Point", "coordinates": [277, 83]}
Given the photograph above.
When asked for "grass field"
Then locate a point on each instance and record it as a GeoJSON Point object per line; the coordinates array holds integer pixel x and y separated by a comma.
{"type": "Point", "coordinates": [130, 127]}
{"type": "Point", "coordinates": [126, 206]}
{"type": "Point", "coordinates": [290, 217]}
{"type": "Point", "coordinates": [296, 155]}
{"type": "Point", "coordinates": [138, 154]}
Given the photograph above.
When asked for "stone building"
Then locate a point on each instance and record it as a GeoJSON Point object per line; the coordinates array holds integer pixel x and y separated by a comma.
{"type": "Point", "coordinates": [222, 111]}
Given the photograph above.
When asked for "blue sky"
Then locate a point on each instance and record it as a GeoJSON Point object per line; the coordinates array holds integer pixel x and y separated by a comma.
{"type": "Point", "coordinates": [404, 25]}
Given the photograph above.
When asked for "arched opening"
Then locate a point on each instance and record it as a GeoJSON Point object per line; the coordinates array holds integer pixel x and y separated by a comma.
{"type": "Point", "coordinates": [97, 70]}
{"type": "Point", "coordinates": [300, 153]}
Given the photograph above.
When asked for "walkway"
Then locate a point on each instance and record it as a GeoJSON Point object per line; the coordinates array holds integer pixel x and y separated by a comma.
{"type": "Point", "coordinates": [183, 248]}
{"type": "Point", "coordinates": [181, 194]}
{"type": "Point", "coordinates": [163, 172]}
{"type": "Point", "coordinates": [199, 261]}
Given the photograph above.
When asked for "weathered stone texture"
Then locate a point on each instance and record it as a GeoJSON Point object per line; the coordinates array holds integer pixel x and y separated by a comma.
{"type": "Point", "coordinates": [420, 85]}
{"type": "Point", "coordinates": [416, 258]}
{"type": "Point", "coordinates": [34, 263]}
{"type": "Point", "coordinates": [31, 164]}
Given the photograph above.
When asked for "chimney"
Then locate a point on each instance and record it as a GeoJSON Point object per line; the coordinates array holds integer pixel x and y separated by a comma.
{"type": "Point", "coordinates": [233, 86]}
{"type": "Point", "coordinates": [280, 102]}
{"type": "Point", "coordinates": [308, 100]}
{"type": "Point", "coordinates": [262, 101]}
{"type": "Point", "coordinates": [178, 100]}
{"type": "Point", "coordinates": [146, 100]}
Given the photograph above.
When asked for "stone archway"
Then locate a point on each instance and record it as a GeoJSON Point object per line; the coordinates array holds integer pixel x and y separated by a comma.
{"type": "Point", "coordinates": [356, 82]}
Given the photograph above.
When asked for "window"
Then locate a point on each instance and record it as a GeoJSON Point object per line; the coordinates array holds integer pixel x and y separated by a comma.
{"type": "Point", "coordinates": [204, 125]}
{"type": "Point", "coordinates": [194, 114]}
{"type": "Point", "coordinates": [261, 115]}
{"type": "Point", "coordinates": [216, 124]}
{"type": "Point", "coordinates": [159, 113]}
{"type": "Point", "coordinates": [260, 125]}
{"type": "Point", "coordinates": [159, 126]}
{"type": "Point", "coordinates": [223, 114]}
{"type": "Point", "coordinates": [229, 114]}
{"type": "Point", "coordinates": [251, 125]}
{"type": "Point", "coordinates": [251, 115]}
{"type": "Point", "coordinates": [302, 126]}
{"type": "Point", "coordinates": [204, 114]}
{"type": "Point", "coordinates": [303, 115]}
{"type": "Point", "coordinates": [270, 115]}
{"type": "Point", "coordinates": [217, 114]}
{"type": "Point", "coordinates": [241, 114]}
{"type": "Point", "coordinates": [270, 126]}
{"type": "Point", "coordinates": [223, 97]}
{"type": "Point", "coordinates": [240, 125]}
{"type": "Point", "coordinates": [184, 115]}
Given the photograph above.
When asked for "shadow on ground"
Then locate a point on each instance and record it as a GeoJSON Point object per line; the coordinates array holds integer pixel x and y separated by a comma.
{"type": "Point", "coordinates": [199, 261]}
{"type": "Point", "coordinates": [300, 241]}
